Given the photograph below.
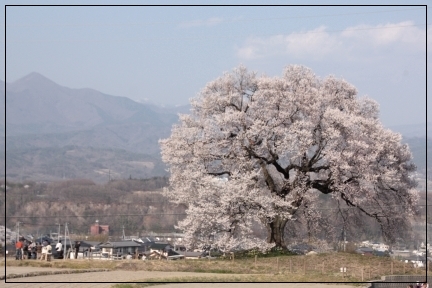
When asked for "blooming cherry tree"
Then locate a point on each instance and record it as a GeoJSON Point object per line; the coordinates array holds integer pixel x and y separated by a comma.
{"type": "Point", "coordinates": [255, 150]}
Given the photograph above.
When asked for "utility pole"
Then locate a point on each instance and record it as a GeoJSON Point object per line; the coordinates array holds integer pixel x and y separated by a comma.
{"type": "Point", "coordinates": [344, 244]}
{"type": "Point", "coordinates": [65, 242]}
{"type": "Point", "coordinates": [66, 231]}
{"type": "Point", "coordinates": [58, 233]}
{"type": "Point", "coordinates": [17, 236]}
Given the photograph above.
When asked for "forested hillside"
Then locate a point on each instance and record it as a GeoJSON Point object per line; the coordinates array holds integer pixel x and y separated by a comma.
{"type": "Point", "coordinates": [81, 202]}
{"type": "Point", "coordinates": [78, 162]}
{"type": "Point", "coordinates": [139, 206]}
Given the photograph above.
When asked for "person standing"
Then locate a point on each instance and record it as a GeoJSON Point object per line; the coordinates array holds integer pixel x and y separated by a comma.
{"type": "Point", "coordinates": [32, 250]}
{"type": "Point", "coordinates": [59, 249]}
{"type": "Point", "coordinates": [48, 254]}
{"type": "Point", "coordinates": [44, 251]}
{"type": "Point", "coordinates": [38, 250]}
{"type": "Point", "coordinates": [77, 246]}
{"type": "Point", "coordinates": [19, 252]}
{"type": "Point", "coordinates": [25, 250]}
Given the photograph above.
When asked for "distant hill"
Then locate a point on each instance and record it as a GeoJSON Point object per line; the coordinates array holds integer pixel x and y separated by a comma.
{"type": "Point", "coordinates": [44, 118]}
{"type": "Point", "coordinates": [139, 137]}
{"type": "Point", "coordinates": [416, 136]}
{"type": "Point", "coordinates": [78, 162]}
{"type": "Point", "coordinates": [419, 147]}
{"type": "Point", "coordinates": [37, 105]}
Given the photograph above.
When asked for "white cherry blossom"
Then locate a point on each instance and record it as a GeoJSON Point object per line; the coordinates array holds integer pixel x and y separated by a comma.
{"type": "Point", "coordinates": [255, 149]}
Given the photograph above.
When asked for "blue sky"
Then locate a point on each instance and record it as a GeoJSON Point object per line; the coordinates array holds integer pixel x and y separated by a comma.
{"type": "Point", "coordinates": [167, 54]}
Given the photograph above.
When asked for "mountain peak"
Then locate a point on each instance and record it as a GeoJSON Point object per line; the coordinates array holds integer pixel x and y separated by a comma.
{"type": "Point", "coordinates": [32, 80]}
{"type": "Point", "coordinates": [33, 75]}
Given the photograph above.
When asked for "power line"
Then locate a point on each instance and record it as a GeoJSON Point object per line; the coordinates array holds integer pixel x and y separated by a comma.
{"type": "Point", "coordinates": [216, 37]}
{"type": "Point", "coordinates": [95, 215]}
{"type": "Point", "coordinates": [218, 20]}
{"type": "Point", "coordinates": [182, 214]}
{"type": "Point", "coordinates": [172, 203]}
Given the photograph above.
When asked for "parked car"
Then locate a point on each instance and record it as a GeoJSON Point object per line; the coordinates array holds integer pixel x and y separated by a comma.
{"type": "Point", "coordinates": [213, 252]}
{"type": "Point", "coordinates": [301, 248]}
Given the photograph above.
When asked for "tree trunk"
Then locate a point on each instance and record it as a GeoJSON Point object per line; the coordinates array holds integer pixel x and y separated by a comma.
{"type": "Point", "coordinates": [275, 232]}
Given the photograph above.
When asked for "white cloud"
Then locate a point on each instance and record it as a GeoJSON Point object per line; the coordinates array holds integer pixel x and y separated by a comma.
{"type": "Point", "coordinates": [319, 42]}
{"type": "Point", "coordinates": [385, 34]}
{"type": "Point", "coordinates": [315, 42]}
{"type": "Point", "coordinates": [199, 23]}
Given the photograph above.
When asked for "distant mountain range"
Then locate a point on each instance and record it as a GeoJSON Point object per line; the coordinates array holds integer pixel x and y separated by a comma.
{"type": "Point", "coordinates": [54, 132]}
{"type": "Point", "coordinates": [42, 118]}
{"type": "Point", "coordinates": [37, 105]}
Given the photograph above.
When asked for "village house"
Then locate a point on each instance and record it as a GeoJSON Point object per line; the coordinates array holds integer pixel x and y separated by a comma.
{"type": "Point", "coordinates": [162, 251]}
{"type": "Point", "coordinates": [365, 251]}
{"type": "Point", "coordinates": [97, 229]}
{"type": "Point", "coordinates": [167, 237]}
{"type": "Point", "coordinates": [417, 261]}
{"type": "Point", "coordinates": [380, 247]}
{"type": "Point", "coordinates": [158, 247]}
{"type": "Point", "coordinates": [180, 249]}
{"type": "Point", "coordinates": [375, 245]}
{"type": "Point", "coordinates": [89, 249]}
{"type": "Point", "coordinates": [400, 253]}
{"type": "Point", "coordinates": [118, 250]}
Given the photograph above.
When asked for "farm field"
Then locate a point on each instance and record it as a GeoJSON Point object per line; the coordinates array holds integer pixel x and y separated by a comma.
{"type": "Point", "coordinates": [314, 268]}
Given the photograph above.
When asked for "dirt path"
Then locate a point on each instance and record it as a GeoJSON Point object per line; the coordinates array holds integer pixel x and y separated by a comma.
{"type": "Point", "coordinates": [106, 279]}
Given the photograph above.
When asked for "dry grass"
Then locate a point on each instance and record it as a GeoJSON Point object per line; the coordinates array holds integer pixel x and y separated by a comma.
{"type": "Point", "coordinates": [316, 268]}
{"type": "Point", "coordinates": [263, 278]}
{"type": "Point", "coordinates": [69, 264]}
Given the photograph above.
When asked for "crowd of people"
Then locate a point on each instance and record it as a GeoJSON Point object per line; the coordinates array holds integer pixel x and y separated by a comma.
{"type": "Point", "coordinates": [26, 249]}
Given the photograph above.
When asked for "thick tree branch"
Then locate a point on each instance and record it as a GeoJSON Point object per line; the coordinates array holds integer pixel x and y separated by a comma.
{"type": "Point", "coordinates": [318, 168]}
{"type": "Point", "coordinates": [349, 203]}
{"type": "Point", "coordinates": [323, 188]}
{"type": "Point", "coordinates": [219, 173]}
{"type": "Point", "coordinates": [268, 178]}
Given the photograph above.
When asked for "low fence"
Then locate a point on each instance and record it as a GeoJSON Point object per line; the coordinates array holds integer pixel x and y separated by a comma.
{"type": "Point", "coordinates": [90, 255]}
{"type": "Point", "coordinates": [344, 268]}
